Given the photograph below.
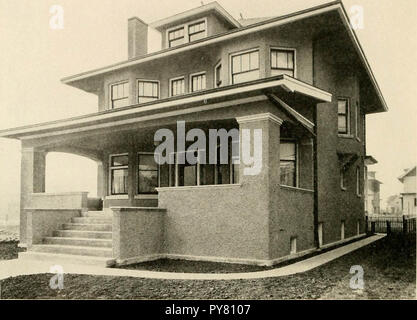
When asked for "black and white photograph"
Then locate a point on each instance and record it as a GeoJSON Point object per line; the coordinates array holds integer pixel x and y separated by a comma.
{"type": "Point", "coordinates": [206, 155]}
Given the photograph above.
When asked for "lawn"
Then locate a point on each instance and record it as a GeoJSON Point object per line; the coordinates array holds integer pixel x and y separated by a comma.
{"type": "Point", "coordinates": [389, 273]}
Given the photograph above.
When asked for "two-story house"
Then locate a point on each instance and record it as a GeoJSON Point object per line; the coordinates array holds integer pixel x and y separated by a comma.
{"type": "Point", "coordinates": [301, 79]}
{"type": "Point", "coordinates": [409, 194]}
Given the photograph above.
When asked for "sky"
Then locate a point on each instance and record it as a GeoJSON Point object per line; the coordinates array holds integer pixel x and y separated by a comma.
{"type": "Point", "coordinates": [34, 57]}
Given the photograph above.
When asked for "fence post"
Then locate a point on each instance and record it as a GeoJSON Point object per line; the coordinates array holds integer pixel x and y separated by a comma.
{"type": "Point", "coordinates": [373, 227]}
{"type": "Point", "coordinates": [366, 225]}
{"type": "Point", "coordinates": [404, 225]}
{"type": "Point", "coordinates": [388, 227]}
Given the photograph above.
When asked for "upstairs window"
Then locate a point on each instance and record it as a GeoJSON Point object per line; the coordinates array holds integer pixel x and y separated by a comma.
{"type": "Point", "coordinates": [283, 62]}
{"type": "Point", "coordinates": [198, 81]}
{"type": "Point", "coordinates": [218, 75]}
{"type": "Point", "coordinates": [343, 178]}
{"type": "Point", "coordinates": [147, 91]}
{"type": "Point", "coordinates": [343, 115]}
{"type": "Point", "coordinates": [245, 66]}
{"type": "Point", "coordinates": [197, 31]}
{"type": "Point", "coordinates": [288, 163]}
{"type": "Point", "coordinates": [176, 37]}
{"type": "Point", "coordinates": [119, 174]}
{"type": "Point", "coordinates": [120, 94]}
{"type": "Point", "coordinates": [177, 86]}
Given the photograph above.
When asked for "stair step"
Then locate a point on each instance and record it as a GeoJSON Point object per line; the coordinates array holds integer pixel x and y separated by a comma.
{"type": "Point", "coordinates": [87, 242]}
{"type": "Point", "coordinates": [83, 234]}
{"type": "Point", "coordinates": [58, 258]}
{"type": "Point", "coordinates": [88, 226]}
{"type": "Point", "coordinates": [93, 220]}
{"type": "Point", "coordinates": [75, 250]}
{"type": "Point", "coordinates": [98, 214]}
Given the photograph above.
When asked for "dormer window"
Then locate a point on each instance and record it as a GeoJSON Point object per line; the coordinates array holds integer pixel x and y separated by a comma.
{"type": "Point", "coordinates": [176, 37]}
{"type": "Point", "coordinates": [188, 32]}
{"type": "Point", "coordinates": [197, 31]}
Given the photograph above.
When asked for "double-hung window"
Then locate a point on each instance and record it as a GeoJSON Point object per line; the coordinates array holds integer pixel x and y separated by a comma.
{"type": "Point", "coordinates": [177, 86]}
{"type": "Point", "coordinates": [148, 173]}
{"type": "Point", "coordinates": [148, 91]}
{"type": "Point", "coordinates": [176, 37]}
{"type": "Point", "coordinates": [343, 115]}
{"type": "Point", "coordinates": [288, 163]}
{"type": "Point", "coordinates": [197, 31]}
{"type": "Point", "coordinates": [119, 94]}
{"type": "Point", "coordinates": [198, 81]}
{"type": "Point", "coordinates": [283, 62]}
{"type": "Point", "coordinates": [245, 66]}
{"type": "Point", "coordinates": [119, 168]}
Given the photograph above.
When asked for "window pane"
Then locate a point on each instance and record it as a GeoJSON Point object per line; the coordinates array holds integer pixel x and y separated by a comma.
{"type": "Point", "coordinates": [223, 173]}
{"type": "Point", "coordinates": [287, 173]}
{"type": "Point", "coordinates": [236, 65]}
{"type": "Point", "coordinates": [177, 87]}
{"type": "Point", "coordinates": [342, 124]}
{"type": "Point", "coordinates": [247, 76]}
{"type": "Point", "coordinates": [342, 106]}
{"type": "Point", "coordinates": [197, 36]}
{"type": "Point", "coordinates": [119, 181]}
{"type": "Point", "coordinates": [290, 56]}
{"type": "Point", "coordinates": [147, 89]}
{"type": "Point", "coordinates": [287, 150]}
{"type": "Point", "coordinates": [274, 59]}
{"type": "Point", "coordinates": [176, 42]}
{"type": "Point", "coordinates": [126, 89]}
{"type": "Point", "coordinates": [120, 103]}
{"type": "Point", "coordinates": [198, 82]}
{"type": "Point", "coordinates": [282, 59]}
{"type": "Point", "coordinates": [164, 175]}
{"type": "Point", "coordinates": [254, 60]}
{"type": "Point", "coordinates": [245, 62]}
{"type": "Point", "coordinates": [114, 92]}
{"type": "Point", "coordinates": [148, 181]}
{"type": "Point", "coordinates": [119, 160]}
{"type": "Point", "coordinates": [147, 162]}
{"type": "Point", "coordinates": [187, 175]}
{"type": "Point", "coordinates": [207, 172]}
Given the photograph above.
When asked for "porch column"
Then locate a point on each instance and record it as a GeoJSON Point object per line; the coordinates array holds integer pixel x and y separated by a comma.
{"type": "Point", "coordinates": [268, 125]}
{"type": "Point", "coordinates": [32, 180]}
{"type": "Point", "coordinates": [101, 183]}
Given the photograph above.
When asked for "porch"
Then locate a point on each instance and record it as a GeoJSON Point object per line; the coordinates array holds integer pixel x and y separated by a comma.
{"type": "Point", "coordinates": [191, 210]}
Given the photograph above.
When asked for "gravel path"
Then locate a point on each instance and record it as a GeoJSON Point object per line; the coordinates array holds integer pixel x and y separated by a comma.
{"type": "Point", "coordinates": [389, 273]}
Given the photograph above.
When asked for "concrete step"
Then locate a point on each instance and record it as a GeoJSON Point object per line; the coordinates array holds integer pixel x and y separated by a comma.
{"type": "Point", "coordinates": [57, 258]}
{"type": "Point", "coordinates": [92, 220]}
{"type": "Point", "coordinates": [98, 214]}
{"type": "Point", "coordinates": [76, 250]}
{"type": "Point", "coordinates": [86, 242]}
{"type": "Point", "coordinates": [83, 234]}
{"type": "Point", "coordinates": [88, 226]}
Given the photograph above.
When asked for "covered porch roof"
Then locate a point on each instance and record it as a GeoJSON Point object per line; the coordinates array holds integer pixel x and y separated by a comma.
{"type": "Point", "coordinates": [283, 86]}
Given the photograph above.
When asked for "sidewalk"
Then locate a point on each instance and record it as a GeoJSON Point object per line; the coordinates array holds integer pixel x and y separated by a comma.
{"type": "Point", "coordinates": [16, 267]}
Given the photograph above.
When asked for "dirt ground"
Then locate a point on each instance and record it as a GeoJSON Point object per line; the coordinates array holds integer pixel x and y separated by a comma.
{"type": "Point", "coordinates": [389, 273]}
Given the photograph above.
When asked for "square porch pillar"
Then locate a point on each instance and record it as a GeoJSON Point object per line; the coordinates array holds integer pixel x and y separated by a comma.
{"type": "Point", "coordinates": [32, 180]}
{"type": "Point", "coordinates": [263, 131]}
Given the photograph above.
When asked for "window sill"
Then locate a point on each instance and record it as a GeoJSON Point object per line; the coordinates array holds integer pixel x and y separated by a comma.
{"type": "Point", "coordinates": [211, 186]}
{"type": "Point", "coordinates": [118, 197]}
{"type": "Point", "coordinates": [296, 188]}
{"type": "Point", "coordinates": [345, 136]}
{"type": "Point", "coordinates": [146, 196]}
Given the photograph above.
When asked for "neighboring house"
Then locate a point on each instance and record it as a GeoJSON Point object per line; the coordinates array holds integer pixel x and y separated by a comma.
{"type": "Point", "coordinates": [408, 196]}
{"type": "Point", "coordinates": [394, 205]}
{"type": "Point", "coordinates": [302, 79]}
{"type": "Point", "coordinates": [372, 189]}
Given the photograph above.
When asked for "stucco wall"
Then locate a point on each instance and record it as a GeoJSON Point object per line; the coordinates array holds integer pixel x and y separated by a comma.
{"type": "Point", "coordinates": [137, 232]}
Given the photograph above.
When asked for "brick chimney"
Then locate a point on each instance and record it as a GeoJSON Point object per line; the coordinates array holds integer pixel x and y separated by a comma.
{"type": "Point", "coordinates": [137, 37]}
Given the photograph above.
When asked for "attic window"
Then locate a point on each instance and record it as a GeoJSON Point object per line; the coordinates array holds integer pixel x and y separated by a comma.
{"type": "Point", "coordinates": [197, 31]}
{"type": "Point", "coordinates": [176, 37]}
